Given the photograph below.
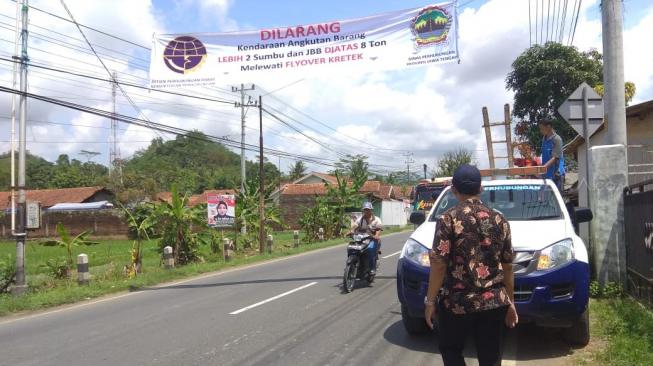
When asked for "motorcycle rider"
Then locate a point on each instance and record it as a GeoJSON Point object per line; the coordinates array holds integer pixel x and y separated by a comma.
{"type": "Point", "coordinates": [370, 224]}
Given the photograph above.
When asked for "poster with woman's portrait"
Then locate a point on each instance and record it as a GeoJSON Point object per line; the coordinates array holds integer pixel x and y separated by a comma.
{"type": "Point", "coordinates": [221, 210]}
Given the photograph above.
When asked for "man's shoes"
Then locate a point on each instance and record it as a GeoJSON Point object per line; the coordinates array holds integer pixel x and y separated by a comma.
{"type": "Point", "coordinates": [373, 272]}
{"type": "Point", "coordinates": [379, 252]}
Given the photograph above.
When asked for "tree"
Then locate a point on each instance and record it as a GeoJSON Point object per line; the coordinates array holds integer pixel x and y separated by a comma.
{"type": "Point", "coordinates": [174, 220]}
{"type": "Point", "coordinates": [355, 167]}
{"type": "Point", "coordinates": [630, 90]}
{"type": "Point", "coordinates": [542, 77]}
{"type": "Point", "coordinates": [297, 170]}
{"type": "Point", "coordinates": [139, 228]}
{"type": "Point", "coordinates": [451, 160]}
{"type": "Point", "coordinates": [247, 204]}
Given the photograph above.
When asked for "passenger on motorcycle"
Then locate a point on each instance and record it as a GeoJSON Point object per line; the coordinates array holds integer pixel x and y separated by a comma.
{"type": "Point", "coordinates": [370, 224]}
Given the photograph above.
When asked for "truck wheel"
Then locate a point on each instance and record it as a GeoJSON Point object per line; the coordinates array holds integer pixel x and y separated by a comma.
{"type": "Point", "coordinates": [579, 333]}
{"type": "Point", "coordinates": [413, 325]}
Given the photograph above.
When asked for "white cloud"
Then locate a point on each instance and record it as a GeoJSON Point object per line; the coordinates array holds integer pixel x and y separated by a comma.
{"type": "Point", "coordinates": [428, 111]}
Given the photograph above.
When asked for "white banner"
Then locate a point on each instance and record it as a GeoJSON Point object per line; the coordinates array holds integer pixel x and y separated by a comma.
{"type": "Point", "coordinates": [391, 41]}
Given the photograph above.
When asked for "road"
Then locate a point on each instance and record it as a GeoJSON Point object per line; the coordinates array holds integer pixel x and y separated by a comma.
{"type": "Point", "coordinates": [290, 311]}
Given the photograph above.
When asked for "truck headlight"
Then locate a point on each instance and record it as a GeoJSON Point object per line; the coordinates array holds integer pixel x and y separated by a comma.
{"type": "Point", "coordinates": [556, 255]}
{"type": "Point", "coordinates": [416, 252]}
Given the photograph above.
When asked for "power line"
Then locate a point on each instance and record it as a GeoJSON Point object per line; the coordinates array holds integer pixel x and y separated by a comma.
{"type": "Point", "coordinates": [573, 34]}
{"type": "Point", "coordinates": [564, 21]}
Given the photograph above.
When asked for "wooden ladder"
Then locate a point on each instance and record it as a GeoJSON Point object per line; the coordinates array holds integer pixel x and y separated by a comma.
{"type": "Point", "coordinates": [487, 126]}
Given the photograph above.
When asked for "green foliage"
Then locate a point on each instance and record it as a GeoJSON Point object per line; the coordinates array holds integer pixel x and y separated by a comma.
{"type": "Point", "coordinates": [297, 170]}
{"type": "Point", "coordinates": [451, 160]}
{"type": "Point", "coordinates": [247, 204]}
{"type": "Point", "coordinates": [174, 220]}
{"type": "Point", "coordinates": [355, 167]}
{"type": "Point", "coordinates": [542, 77]}
{"type": "Point", "coordinates": [627, 328]}
{"type": "Point", "coordinates": [7, 273]}
{"type": "Point", "coordinates": [329, 211]}
{"type": "Point", "coordinates": [68, 242]}
{"type": "Point", "coordinates": [57, 268]}
{"type": "Point", "coordinates": [140, 222]}
{"type": "Point", "coordinates": [610, 290]}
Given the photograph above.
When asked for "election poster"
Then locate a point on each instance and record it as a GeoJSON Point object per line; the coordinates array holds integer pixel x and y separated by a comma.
{"type": "Point", "coordinates": [396, 40]}
{"type": "Point", "coordinates": [221, 211]}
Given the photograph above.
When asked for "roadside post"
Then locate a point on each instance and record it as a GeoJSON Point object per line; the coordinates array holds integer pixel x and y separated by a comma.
{"type": "Point", "coordinates": [168, 259]}
{"type": "Point", "coordinates": [320, 234]}
{"type": "Point", "coordinates": [295, 236]}
{"type": "Point", "coordinates": [270, 243]}
{"type": "Point", "coordinates": [83, 276]}
{"type": "Point", "coordinates": [226, 249]}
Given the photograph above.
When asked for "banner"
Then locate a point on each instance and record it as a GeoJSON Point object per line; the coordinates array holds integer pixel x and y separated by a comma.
{"type": "Point", "coordinates": [392, 41]}
{"type": "Point", "coordinates": [221, 211]}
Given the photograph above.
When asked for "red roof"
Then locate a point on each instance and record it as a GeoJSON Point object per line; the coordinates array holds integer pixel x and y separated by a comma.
{"type": "Point", "coordinates": [50, 197]}
{"type": "Point", "coordinates": [195, 199]}
{"type": "Point", "coordinates": [327, 177]}
{"type": "Point", "coordinates": [305, 189]}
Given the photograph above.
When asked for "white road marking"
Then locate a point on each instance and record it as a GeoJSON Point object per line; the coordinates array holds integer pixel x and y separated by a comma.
{"type": "Point", "coordinates": [391, 255]}
{"type": "Point", "coordinates": [272, 299]}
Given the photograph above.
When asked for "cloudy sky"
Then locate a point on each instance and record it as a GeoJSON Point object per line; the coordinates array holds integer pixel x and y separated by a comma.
{"type": "Point", "coordinates": [426, 111]}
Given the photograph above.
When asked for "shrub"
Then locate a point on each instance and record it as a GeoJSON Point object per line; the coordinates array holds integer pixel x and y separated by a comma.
{"type": "Point", "coordinates": [7, 273]}
{"type": "Point", "coordinates": [57, 268]}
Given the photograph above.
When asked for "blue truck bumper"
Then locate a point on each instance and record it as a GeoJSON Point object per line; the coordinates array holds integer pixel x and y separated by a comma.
{"type": "Point", "coordinates": [552, 298]}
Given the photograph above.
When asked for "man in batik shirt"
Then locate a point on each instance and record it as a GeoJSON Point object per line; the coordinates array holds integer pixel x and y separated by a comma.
{"type": "Point", "coordinates": [471, 261]}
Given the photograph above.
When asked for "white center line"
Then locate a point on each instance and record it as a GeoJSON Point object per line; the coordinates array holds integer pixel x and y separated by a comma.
{"type": "Point", "coordinates": [272, 299]}
{"type": "Point", "coordinates": [391, 255]}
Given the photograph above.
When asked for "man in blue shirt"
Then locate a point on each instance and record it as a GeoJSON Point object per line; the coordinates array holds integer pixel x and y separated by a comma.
{"type": "Point", "coordinates": [552, 157]}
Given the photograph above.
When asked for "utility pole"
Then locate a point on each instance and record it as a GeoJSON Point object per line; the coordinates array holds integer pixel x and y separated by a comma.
{"type": "Point", "coordinates": [261, 193]}
{"type": "Point", "coordinates": [20, 285]}
{"type": "Point", "coordinates": [243, 162]}
{"type": "Point", "coordinates": [115, 162]}
{"type": "Point", "coordinates": [613, 71]}
{"type": "Point", "coordinates": [409, 160]}
{"type": "Point", "coordinates": [14, 82]}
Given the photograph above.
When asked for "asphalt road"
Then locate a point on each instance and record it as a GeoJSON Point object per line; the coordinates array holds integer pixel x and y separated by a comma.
{"type": "Point", "coordinates": [286, 312]}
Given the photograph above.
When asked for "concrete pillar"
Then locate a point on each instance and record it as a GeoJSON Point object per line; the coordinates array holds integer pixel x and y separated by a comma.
{"type": "Point", "coordinates": [270, 243]}
{"type": "Point", "coordinates": [608, 251]}
{"type": "Point", "coordinates": [168, 258]}
{"type": "Point", "coordinates": [295, 236]}
{"type": "Point", "coordinates": [227, 251]}
{"type": "Point", "coordinates": [320, 234]}
{"type": "Point", "coordinates": [83, 276]}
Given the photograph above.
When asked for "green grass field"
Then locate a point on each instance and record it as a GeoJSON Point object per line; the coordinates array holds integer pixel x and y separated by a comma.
{"type": "Point", "coordinates": [107, 261]}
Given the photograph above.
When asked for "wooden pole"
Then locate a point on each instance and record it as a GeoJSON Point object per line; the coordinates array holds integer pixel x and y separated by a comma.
{"type": "Point", "coordinates": [488, 137]}
{"type": "Point", "coordinates": [507, 120]}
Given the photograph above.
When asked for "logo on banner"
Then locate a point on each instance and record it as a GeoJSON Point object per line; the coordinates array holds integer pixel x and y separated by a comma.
{"type": "Point", "coordinates": [431, 26]}
{"type": "Point", "coordinates": [184, 54]}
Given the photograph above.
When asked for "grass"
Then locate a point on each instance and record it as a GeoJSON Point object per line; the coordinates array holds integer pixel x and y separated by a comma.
{"type": "Point", "coordinates": [106, 266]}
{"type": "Point", "coordinates": [622, 334]}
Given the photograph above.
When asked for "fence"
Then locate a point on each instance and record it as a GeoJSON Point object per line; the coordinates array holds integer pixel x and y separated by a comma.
{"type": "Point", "coordinates": [640, 163]}
{"type": "Point", "coordinates": [638, 221]}
{"type": "Point", "coordinates": [107, 223]}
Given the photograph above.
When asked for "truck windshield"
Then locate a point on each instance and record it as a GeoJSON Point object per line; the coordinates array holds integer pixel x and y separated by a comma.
{"type": "Point", "coordinates": [515, 202]}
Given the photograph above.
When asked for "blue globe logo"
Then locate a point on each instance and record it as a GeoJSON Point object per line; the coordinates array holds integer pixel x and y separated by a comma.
{"type": "Point", "coordinates": [184, 54]}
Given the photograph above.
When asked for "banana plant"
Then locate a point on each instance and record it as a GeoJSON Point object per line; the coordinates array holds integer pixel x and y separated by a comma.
{"type": "Point", "coordinates": [68, 242]}
{"type": "Point", "coordinates": [139, 229]}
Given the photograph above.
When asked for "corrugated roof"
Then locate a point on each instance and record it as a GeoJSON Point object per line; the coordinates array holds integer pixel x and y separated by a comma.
{"type": "Point", "coordinates": [50, 197]}
{"type": "Point", "coordinates": [305, 189]}
{"type": "Point", "coordinates": [196, 199]}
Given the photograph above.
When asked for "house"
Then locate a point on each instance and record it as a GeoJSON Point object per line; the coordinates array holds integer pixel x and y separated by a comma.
{"type": "Point", "coordinates": [310, 178]}
{"type": "Point", "coordinates": [295, 198]}
{"type": "Point", "coordinates": [639, 130]}
{"type": "Point", "coordinates": [51, 197]}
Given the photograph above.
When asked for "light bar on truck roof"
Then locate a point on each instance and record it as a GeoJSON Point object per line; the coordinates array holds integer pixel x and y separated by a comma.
{"type": "Point", "coordinates": [516, 171]}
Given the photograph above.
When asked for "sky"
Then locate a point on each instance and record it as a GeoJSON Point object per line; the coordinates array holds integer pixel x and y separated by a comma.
{"type": "Point", "coordinates": [425, 112]}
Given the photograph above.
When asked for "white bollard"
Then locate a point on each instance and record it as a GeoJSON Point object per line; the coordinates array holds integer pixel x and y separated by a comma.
{"type": "Point", "coordinates": [226, 249]}
{"type": "Point", "coordinates": [270, 243]}
{"type": "Point", "coordinates": [295, 236]}
{"type": "Point", "coordinates": [320, 234]}
{"type": "Point", "coordinates": [83, 276]}
{"type": "Point", "coordinates": [168, 258]}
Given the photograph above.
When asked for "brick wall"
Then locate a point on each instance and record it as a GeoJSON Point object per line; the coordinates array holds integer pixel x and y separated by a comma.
{"type": "Point", "coordinates": [292, 208]}
{"type": "Point", "coordinates": [99, 223]}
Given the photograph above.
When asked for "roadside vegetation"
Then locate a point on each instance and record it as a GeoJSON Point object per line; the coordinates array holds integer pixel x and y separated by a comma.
{"type": "Point", "coordinates": [622, 330]}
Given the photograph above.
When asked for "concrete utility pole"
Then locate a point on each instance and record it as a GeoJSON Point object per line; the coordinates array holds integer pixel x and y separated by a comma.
{"type": "Point", "coordinates": [261, 193]}
{"type": "Point", "coordinates": [243, 162]}
{"type": "Point", "coordinates": [409, 160]}
{"type": "Point", "coordinates": [613, 71]}
{"type": "Point", "coordinates": [115, 162]}
{"type": "Point", "coordinates": [14, 82]}
{"type": "Point", "coordinates": [20, 286]}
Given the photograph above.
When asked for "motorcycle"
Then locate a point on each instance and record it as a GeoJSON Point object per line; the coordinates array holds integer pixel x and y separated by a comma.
{"type": "Point", "coordinates": [357, 266]}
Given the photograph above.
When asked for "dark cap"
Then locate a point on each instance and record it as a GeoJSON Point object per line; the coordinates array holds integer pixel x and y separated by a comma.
{"type": "Point", "coordinates": [467, 179]}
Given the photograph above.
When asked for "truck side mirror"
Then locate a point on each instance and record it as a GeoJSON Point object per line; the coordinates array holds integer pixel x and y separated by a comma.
{"type": "Point", "coordinates": [417, 218]}
{"type": "Point", "coordinates": [584, 214]}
